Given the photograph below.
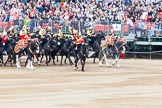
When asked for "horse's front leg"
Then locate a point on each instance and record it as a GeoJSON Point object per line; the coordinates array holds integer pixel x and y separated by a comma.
{"type": "Point", "coordinates": [1, 60]}
{"type": "Point", "coordinates": [83, 59]}
{"type": "Point", "coordinates": [61, 59]}
{"type": "Point", "coordinates": [46, 59]}
{"type": "Point", "coordinates": [70, 61]}
{"type": "Point", "coordinates": [26, 61]}
{"type": "Point", "coordinates": [94, 59]}
{"type": "Point", "coordinates": [49, 59]}
{"type": "Point", "coordinates": [53, 57]}
{"type": "Point", "coordinates": [41, 58]}
{"type": "Point", "coordinates": [18, 61]}
{"type": "Point", "coordinates": [28, 66]}
{"type": "Point", "coordinates": [8, 58]}
{"type": "Point", "coordinates": [57, 59]}
{"type": "Point", "coordinates": [116, 61]}
{"type": "Point", "coordinates": [76, 62]}
{"type": "Point", "coordinates": [103, 58]}
{"type": "Point", "coordinates": [30, 63]}
{"type": "Point", "coordinates": [65, 59]}
{"type": "Point", "coordinates": [37, 58]}
{"type": "Point", "coordinates": [11, 59]}
{"type": "Point", "coordinates": [106, 60]}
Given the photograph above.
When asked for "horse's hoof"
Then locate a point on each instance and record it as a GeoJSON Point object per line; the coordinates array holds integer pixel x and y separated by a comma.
{"type": "Point", "coordinates": [100, 64]}
{"type": "Point", "coordinates": [39, 63]}
{"type": "Point", "coordinates": [71, 64]}
{"type": "Point", "coordinates": [18, 67]}
{"type": "Point", "coordinates": [118, 66]}
{"type": "Point", "coordinates": [108, 65]}
{"type": "Point", "coordinates": [76, 68]}
{"type": "Point", "coordinates": [32, 68]}
{"type": "Point", "coordinates": [27, 67]}
{"type": "Point", "coordinates": [47, 64]}
{"type": "Point", "coordinates": [83, 70]}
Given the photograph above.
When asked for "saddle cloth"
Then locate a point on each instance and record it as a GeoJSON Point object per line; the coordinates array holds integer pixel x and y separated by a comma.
{"type": "Point", "coordinates": [109, 40]}
{"type": "Point", "coordinates": [22, 44]}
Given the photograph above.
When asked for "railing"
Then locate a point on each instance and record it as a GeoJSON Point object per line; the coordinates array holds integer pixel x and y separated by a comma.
{"type": "Point", "coordinates": [120, 28]}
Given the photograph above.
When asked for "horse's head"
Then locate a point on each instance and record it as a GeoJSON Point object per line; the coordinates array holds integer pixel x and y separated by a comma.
{"type": "Point", "coordinates": [100, 35]}
{"type": "Point", "coordinates": [34, 46]}
{"type": "Point", "coordinates": [53, 43]}
{"type": "Point", "coordinates": [87, 40]}
{"type": "Point", "coordinates": [122, 46]}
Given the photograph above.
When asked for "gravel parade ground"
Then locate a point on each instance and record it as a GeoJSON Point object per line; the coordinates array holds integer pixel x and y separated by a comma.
{"type": "Point", "coordinates": [136, 84]}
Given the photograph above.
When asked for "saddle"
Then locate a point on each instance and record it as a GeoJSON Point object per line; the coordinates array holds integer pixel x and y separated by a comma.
{"type": "Point", "coordinates": [22, 44]}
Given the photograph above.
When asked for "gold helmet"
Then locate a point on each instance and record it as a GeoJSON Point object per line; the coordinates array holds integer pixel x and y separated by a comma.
{"type": "Point", "coordinates": [23, 32]}
{"type": "Point", "coordinates": [76, 32]}
{"type": "Point", "coordinates": [42, 32]}
{"type": "Point", "coordinates": [90, 32]}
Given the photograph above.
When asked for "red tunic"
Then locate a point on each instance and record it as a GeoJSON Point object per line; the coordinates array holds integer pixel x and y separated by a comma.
{"type": "Point", "coordinates": [22, 37]}
{"type": "Point", "coordinates": [79, 40]}
{"type": "Point", "coordinates": [4, 39]}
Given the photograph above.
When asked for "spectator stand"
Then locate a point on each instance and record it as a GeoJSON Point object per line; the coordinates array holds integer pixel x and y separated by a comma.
{"type": "Point", "coordinates": [147, 44]}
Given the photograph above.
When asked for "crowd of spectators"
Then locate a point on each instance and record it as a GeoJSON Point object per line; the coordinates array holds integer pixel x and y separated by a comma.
{"type": "Point", "coordinates": [89, 11]}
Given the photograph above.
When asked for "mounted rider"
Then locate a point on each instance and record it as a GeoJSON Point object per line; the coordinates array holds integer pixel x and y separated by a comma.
{"type": "Point", "coordinates": [78, 40]}
{"type": "Point", "coordinates": [42, 36]}
{"type": "Point", "coordinates": [23, 42]}
{"type": "Point", "coordinates": [109, 40]}
{"type": "Point", "coordinates": [91, 35]}
{"type": "Point", "coordinates": [4, 41]}
{"type": "Point", "coordinates": [60, 39]}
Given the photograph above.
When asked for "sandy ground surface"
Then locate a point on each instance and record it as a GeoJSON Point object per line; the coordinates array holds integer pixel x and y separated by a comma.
{"type": "Point", "coordinates": [136, 84]}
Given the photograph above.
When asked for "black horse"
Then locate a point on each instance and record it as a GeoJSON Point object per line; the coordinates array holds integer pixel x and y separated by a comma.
{"type": "Point", "coordinates": [46, 45]}
{"type": "Point", "coordinates": [32, 49]}
{"type": "Point", "coordinates": [79, 54]}
{"type": "Point", "coordinates": [64, 51]}
{"type": "Point", "coordinates": [94, 43]}
{"type": "Point", "coordinates": [61, 49]}
{"type": "Point", "coordinates": [9, 46]}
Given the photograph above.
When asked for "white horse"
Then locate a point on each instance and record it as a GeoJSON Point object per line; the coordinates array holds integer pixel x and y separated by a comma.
{"type": "Point", "coordinates": [32, 48]}
{"type": "Point", "coordinates": [114, 51]}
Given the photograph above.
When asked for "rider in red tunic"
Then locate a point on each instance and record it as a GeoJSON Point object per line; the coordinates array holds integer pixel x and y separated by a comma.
{"type": "Point", "coordinates": [4, 40]}
{"type": "Point", "coordinates": [78, 40]}
{"type": "Point", "coordinates": [23, 38]}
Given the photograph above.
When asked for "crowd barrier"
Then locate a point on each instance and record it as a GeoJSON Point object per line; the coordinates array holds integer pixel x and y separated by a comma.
{"type": "Point", "coordinates": [120, 28]}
